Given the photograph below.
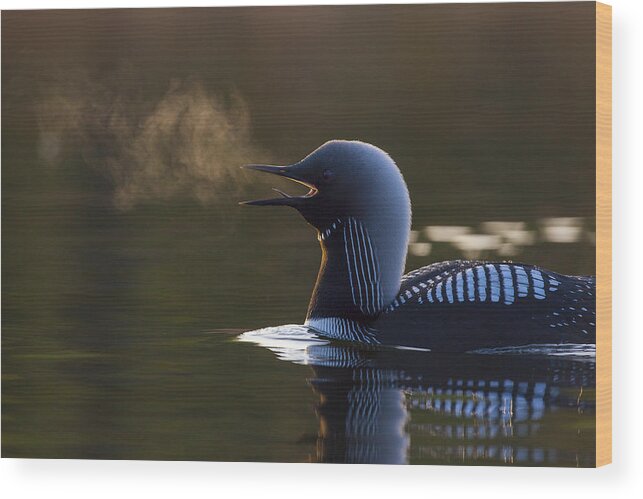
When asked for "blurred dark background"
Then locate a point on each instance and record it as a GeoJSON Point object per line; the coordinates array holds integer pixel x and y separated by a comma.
{"type": "Point", "coordinates": [123, 130]}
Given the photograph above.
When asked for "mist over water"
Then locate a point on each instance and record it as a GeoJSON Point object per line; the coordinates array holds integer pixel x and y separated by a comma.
{"type": "Point", "coordinates": [189, 143]}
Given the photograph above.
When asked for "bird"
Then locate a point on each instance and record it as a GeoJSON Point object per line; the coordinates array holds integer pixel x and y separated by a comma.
{"type": "Point", "coordinates": [359, 204]}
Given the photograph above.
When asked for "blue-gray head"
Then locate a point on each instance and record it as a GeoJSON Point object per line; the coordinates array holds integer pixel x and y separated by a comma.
{"type": "Point", "coordinates": [357, 192]}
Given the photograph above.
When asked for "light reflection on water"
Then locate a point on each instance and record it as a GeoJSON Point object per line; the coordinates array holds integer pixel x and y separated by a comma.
{"type": "Point", "coordinates": [386, 405]}
{"type": "Point", "coordinates": [495, 238]}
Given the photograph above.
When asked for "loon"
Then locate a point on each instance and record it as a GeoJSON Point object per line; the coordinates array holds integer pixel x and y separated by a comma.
{"type": "Point", "coordinates": [359, 204]}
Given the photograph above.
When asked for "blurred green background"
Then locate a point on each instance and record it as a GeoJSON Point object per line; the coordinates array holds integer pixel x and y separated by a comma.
{"type": "Point", "coordinates": [122, 240]}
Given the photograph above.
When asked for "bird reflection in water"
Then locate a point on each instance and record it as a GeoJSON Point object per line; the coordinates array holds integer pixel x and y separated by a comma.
{"type": "Point", "coordinates": [532, 408]}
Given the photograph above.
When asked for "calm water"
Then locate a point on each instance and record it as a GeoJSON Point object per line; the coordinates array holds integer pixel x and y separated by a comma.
{"type": "Point", "coordinates": [115, 346]}
{"type": "Point", "coordinates": [207, 396]}
{"type": "Point", "coordinates": [129, 270]}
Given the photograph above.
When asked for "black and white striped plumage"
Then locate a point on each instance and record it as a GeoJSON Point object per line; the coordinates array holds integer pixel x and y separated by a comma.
{"type": "Point", "coordinates": [510, 303]}
{"type": "Point", "coordinates": [363, 268]}
{"type": "Point", "coordinates": [492, 304]}
{"type": "Point", "coordinates": [359, 204]}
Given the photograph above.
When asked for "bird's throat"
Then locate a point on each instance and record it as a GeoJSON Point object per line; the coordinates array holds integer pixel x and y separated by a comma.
{"type": "Point", "coordinates": [349, 284]}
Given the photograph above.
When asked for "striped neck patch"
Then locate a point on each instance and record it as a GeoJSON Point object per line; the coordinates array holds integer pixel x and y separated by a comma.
{"type": "Point", "coordinates": [362, 264]}
{"type": "Point", "coordinates": [343, 329]}
{"type": "Point", "coordinates": [322, 235]}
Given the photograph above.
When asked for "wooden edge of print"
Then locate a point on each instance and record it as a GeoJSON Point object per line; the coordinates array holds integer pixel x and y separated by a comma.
{"type": "Point", "coordinates": [603, 234]}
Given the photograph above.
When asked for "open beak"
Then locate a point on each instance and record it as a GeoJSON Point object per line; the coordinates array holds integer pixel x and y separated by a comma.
{"type": "Point", "coordinates": [289, 172]}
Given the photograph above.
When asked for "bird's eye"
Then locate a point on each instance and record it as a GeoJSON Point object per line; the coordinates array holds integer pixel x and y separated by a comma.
{"type": "Point", "coordinates": [327, 175]}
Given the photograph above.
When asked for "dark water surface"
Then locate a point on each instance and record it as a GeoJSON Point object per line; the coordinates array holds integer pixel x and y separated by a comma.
{"type": "Point", "coordinates": [129, 270]}
{"type": "Point", "coordinates": [109, 352]}
{"type": "Point", "coordinates": [209, 397]}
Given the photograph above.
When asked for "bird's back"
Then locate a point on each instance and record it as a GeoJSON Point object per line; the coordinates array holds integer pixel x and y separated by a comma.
{"type": "Point", "coordinates": [469, 305]}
